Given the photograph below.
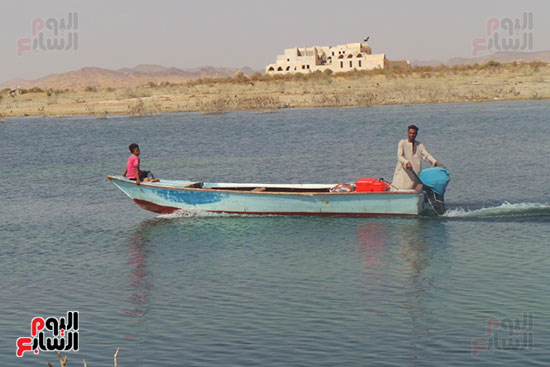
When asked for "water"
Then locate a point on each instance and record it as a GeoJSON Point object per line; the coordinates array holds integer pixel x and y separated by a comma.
{"type": "Point", "coordinates": [204, 290]}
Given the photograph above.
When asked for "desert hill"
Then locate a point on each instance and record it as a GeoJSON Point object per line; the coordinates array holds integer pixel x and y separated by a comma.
{"type": "Point", "coordinates": [125, 77]}
{"type": "Point", "coordinates": [144, 74]}
{"type": "Point", "coordinates": [509, 56]}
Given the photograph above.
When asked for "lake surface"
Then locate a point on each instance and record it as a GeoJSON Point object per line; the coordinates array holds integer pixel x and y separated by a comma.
{"type": "Point", "coordinates": [471, 288]}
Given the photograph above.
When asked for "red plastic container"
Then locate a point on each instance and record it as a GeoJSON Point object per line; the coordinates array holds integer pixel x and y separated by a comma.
{"type": "Point", "coordinates": [371, 185]}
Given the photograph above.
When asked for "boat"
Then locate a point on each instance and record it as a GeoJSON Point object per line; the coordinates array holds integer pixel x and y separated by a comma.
{"type": "Point", "coordinates": [169, 196]}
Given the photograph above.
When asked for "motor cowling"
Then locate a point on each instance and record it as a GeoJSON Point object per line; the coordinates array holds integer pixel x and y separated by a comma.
{"type": "Point", "coordinates": [435, 181]}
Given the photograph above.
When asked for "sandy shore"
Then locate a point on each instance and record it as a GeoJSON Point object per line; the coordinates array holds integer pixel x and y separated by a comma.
{"type": "Point", "coordinates": [418, 85]}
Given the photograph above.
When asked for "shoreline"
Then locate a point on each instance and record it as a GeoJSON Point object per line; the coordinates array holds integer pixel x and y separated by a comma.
{"type": "Point", "coordinates": [490, 82]}
{"type": "Point", "coordinates": [3, 118]}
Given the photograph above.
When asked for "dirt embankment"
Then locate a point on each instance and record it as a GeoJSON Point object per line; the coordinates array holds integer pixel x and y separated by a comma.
{"type": "Point", "coordinates": [492, 81]}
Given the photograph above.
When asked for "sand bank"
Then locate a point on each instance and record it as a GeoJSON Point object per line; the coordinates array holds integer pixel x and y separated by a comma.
{"type": "Point", "coordinates": [417, 85]}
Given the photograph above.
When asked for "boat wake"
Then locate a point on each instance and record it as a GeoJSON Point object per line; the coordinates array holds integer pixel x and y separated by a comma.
{"type": "Point", "coordinates": [182, 213]}
{"type": "Point", "coordinates": [505, 210]}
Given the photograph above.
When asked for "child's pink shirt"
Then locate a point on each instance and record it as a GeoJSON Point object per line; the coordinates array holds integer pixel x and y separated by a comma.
{"type": "Point", "coordinates": [133, 162]}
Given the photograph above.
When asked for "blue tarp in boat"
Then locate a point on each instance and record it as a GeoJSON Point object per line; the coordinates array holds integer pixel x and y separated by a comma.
{"type": "Point", "coordinates": [435, 178]}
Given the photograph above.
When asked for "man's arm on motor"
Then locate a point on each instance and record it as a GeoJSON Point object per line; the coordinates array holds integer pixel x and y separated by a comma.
{"type": "Point", "coordinates": [428, 157]}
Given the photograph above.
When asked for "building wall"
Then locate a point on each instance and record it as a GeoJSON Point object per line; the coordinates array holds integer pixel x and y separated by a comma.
{"type": "Point", "coordinates": [400, 64]}
{"type": "Point", "coordinates": [338, 59]}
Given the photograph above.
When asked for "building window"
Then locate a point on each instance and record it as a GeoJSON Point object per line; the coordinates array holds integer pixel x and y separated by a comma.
{"type": "Point", "coordinates": [359, 63]}
{"type": "Point", "coordinates": [279, 69]}
{"type": "Point", "coordinates": [350, 64]}
{"type": "Point", "coordinates": [288, 67]}
{"type": "Point", "coordinates": [341, 64]}
{"type": "Point", "coordinates": [308, 66]}
{"type": "Point", "coordinates": [303, 67]}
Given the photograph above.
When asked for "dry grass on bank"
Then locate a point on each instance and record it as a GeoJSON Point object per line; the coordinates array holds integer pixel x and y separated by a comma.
{"type": "Point", "coordinates": [491, 81]}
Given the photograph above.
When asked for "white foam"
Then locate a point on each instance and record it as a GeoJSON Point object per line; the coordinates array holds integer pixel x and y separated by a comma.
{"type": "Point", "coordinates": [504, 210]}
{"type": "Point", "coordinates": [188, 213]}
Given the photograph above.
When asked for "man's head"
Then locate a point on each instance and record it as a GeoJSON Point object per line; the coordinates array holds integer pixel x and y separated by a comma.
{"type": "Point", "coordinates": [134, 148]}
{"type": "Point", "coordinates": [412, 132]}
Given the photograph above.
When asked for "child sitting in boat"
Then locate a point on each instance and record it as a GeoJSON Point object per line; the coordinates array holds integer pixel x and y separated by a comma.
{"type": "Point", "coordinates": [132, 167]}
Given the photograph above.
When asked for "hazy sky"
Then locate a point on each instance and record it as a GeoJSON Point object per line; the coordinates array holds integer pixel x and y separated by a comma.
{"type": "Point", "coordinates": [114, 34]}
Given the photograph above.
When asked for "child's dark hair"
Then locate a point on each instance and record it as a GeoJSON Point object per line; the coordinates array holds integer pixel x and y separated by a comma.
{"type": "Point", "coordinates": [132, 147]}
{"type": "Point", "coordinates": [414, 127]}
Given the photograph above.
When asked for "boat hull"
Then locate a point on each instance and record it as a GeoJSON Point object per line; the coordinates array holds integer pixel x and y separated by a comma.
{"type": "Point", "coordinates": [170, 196]}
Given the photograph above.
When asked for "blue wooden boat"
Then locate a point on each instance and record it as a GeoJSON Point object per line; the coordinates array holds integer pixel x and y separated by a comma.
{"type": "Point", "coordinates": [169, 196]}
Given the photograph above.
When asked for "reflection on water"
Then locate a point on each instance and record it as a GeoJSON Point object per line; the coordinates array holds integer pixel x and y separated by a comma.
{"type": "Point", "coordinates": [272, 291]}
{"type": "Point", "coordinates": [420, 241]}
{"type": "Point", "coordinates": [415, 252]}
{"type": "Point", "coordinates": [373, 250]}
{"type": "Point", "coordinates": [404, 260]}
{"type": "Point", "coordinates": [422, 253]}
{"type": "Point", "coordinates": [140, 280]}
{"type": "Point", "coordinates": [372, 238]}
{"type": "Point", "coordinates": [416, 256]}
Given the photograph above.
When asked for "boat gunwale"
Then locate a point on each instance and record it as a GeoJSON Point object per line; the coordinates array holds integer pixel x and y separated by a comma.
{"type": "Point", "coordinates": [416, 191]}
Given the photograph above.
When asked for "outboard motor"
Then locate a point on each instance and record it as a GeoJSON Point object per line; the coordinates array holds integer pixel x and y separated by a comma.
{"type": "Point", "coordinates": [435, 181]}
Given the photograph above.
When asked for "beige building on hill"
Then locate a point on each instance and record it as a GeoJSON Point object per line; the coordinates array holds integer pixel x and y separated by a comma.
{"type": "Point", "coordinates": [338, 59]}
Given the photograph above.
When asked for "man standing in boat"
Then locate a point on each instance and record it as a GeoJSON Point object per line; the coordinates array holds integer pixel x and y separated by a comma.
{"type": "Point", "coordinates": [410, 153]}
